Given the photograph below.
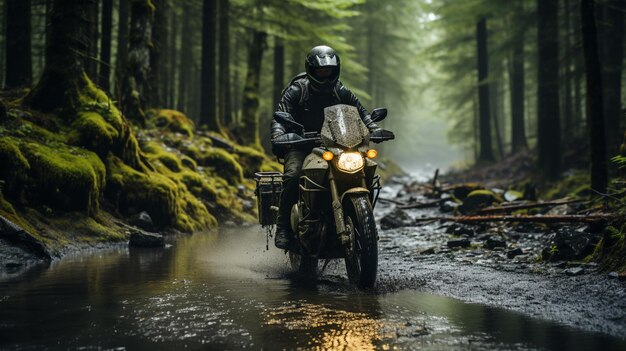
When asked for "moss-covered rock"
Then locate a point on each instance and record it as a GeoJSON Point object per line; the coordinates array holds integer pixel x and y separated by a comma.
{"type": "Point", "coordinates": [167, 202]}
{"type": "Point", "coordinates": [171, 121]}
{"type": "Point", "coordinates": [64, 177]}
{"type": "Point", "coordinates": [221, 163]}
{"type": "Point", "coordinates": [250, 159]}
{"type": "Point", "coordinates": [14, 168]}
{"type": "Point", "coordinates": [92, 131]}
{"type": "Point", "coordinates": [478, 199]}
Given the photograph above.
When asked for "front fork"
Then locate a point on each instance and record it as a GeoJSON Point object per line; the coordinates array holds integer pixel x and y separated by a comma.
{"type": "Point", "coordinates": [342, 231]}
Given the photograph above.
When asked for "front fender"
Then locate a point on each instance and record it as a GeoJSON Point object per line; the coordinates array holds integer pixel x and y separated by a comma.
{"type": "Point", "coordinates": [355, 190]}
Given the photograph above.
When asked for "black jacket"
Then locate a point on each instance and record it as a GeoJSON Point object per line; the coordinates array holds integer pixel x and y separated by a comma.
{"type": "Point", "coordinates": [307, 106]}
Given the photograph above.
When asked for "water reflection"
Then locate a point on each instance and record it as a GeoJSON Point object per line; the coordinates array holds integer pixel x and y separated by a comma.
{"type": "Point", "coordinates": [226, 292]}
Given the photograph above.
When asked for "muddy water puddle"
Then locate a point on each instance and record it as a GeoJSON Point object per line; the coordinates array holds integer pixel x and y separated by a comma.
{"type": "Point", "coordinates": [226, 292]}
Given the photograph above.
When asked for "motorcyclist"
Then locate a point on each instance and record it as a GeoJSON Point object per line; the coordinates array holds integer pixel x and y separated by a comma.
{"type": "Point", "coordinates": [305, 99]}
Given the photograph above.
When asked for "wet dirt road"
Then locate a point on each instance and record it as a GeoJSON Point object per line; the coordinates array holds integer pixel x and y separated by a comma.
{"type": "Point", "coordinates": [226, 292]}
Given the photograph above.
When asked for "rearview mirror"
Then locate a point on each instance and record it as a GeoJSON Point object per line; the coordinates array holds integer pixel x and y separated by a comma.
{"type": "Point", "coordinates": [287, 119]}
{"type": "Point", "coordinates": [379, 114]}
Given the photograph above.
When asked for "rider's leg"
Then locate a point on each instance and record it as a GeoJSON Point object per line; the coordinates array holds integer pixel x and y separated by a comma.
{"type": "Point", "coordinates": [289, 196]}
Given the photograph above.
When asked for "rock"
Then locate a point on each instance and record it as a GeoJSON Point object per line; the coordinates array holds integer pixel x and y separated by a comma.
{"type": "Point", "coordinates": [568, 244]}
{"type": "Point", "coordinates": [428, 251]}
{"type": "Point", "coordinates": [619, 276]}
{"type": "Point", "coordinates": [395, 219]}
{"type": "Point", "coordinates": [530, 192]}
{"type": "Point", "coordinates": [142, 220]}
{"type": "Point", "coordinates": [463, 190]}
{"type": "Point", "coordinates": [460, 230]}
{"type": "Point", "coordinates": [16, 235]}
{"type": "Point", "coordinates": [241, 190]}
{"type": "Point", "coordinates": [512, 195]}
{"type": "Point", "coordinates": [515, 252]}
{"type": "Point", "coordinates": [463, 242]}
{"type": "Point", "coordinates": [493, 242]}
{"type": "Point", "coordinates": [247, 205]}
{"type": "Point", "coordinates": [140, 238]}
{"type": "Point", "coordinates": [13, 264]}
{"type": "Point", "coordinates": [478, 199]}
{"type": "Point", "coordinates": [574, 271]}
{"type": "Point", "coordinates": [448, 206]}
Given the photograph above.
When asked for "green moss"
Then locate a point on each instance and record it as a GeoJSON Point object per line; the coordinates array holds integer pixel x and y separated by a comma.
{"type": "Point", "coordinates": [250, 159]}
{"type": "Point", "coordinates": [575, 184]}
{"type": "Point", "coordinates": [168, 202]}
{"type": "Point", "coordinates": [65, 178]}
{"type": "Point", "coordinates": [14, 166]}
{"type": "Point", "coordinates": [92, 131]}
{"type": "Point", "coordinates": [172, 121]}
{"type": "Point", "coordinates": [222, 163]}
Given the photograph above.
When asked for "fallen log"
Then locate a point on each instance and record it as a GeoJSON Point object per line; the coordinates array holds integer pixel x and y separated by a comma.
{"type": "Point", "coordinates": [536, 219]}
{"type": "Point", "coordinates": [384, 199]}
{"type": "Point", "coordinates": [511, 208]}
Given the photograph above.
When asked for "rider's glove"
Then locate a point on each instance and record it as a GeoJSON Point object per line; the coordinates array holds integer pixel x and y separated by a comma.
{"type": "Point", "coordinates": [372, 127]}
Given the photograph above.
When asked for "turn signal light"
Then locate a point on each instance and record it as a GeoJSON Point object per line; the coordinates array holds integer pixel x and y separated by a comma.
{"type": "Point", "coordinates": [327, 155]}
{"type": "Point", "coordinates": [371, 153]}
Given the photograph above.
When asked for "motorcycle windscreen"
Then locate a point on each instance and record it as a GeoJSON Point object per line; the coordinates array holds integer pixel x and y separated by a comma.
{"type": "Point", "coordinates": [343, 127]}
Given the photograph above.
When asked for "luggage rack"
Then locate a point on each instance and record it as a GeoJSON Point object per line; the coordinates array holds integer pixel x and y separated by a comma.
{"type": "Point", "coordinates": [269, 186]}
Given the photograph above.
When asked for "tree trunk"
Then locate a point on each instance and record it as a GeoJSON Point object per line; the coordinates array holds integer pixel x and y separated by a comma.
{"type": "Point", "coordinates": [578, 73]}
{"type": "Point", "coordinates": [208, 107]}
{"type": "Point", "coordinates": [249, 130]}
{"type": "Point", "coordinates": [105, 45]}
{"type": "Point", "coordinates": [595, 112]}
{"type": "Point", "coordinates": [568, 114]}
{"type": "Point", "coordinates": [122, 47]}
{"type": "Point", "coordinates": [612, 54]}
{"type": "Point", "coordinates": [486, 152]}
{"type": "Point", "coordinates": [279, 70]}
{"type": "Point", "coordinates": [186, 54]}
{"type": "Point", "coordinates": [19, 69]}
{"type": "Point", "coordinates": [225, 103]}
{"type": "Point", "coordinates": [91, 59]}
{"type": "Point", "coordinates": [157, 53]}
{"type": "Point", "coordinates": [548, 124]}
{"type": "Point", "coordinates": [518, 126]}
{"type": "Point", "coordinates": [173, 64]}
{"type": "Point", "coordinates": [135, 89]}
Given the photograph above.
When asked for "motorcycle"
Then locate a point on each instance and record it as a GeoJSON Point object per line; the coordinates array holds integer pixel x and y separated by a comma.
{"type": "Point", "coordinates": [338, 188]}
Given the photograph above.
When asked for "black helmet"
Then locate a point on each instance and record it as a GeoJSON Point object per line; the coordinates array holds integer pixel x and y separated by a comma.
{"type": "Point", "coordinates": [322, 68]}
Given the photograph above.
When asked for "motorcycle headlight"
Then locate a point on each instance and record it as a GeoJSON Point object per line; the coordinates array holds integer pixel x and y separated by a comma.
{"type": "Point", "coordinates": [350, 162]}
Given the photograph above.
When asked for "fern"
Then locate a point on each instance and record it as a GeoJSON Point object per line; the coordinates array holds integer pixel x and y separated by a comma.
{"type": "Point", "coordinates": [620, 160]}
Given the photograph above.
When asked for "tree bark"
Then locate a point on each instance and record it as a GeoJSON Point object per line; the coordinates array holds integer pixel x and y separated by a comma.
{"type": "Point", "coordinates": [517, 84]}
{"type": "Point", "coordinates": [208, 106]}
{"type": "Point", "coordinates": [595, 112]}
{"type": "Point", "coordinates": [91, 59]}
{"type": "Point", "coordinates": [157, 53]}
{"type": "Point", "coordinates": [486, 151]}
{"type": "Point", "coordinates": [611, 58]}
{"type": "Point", "coordinates": [186, 53]}
{"type": "Point", "coordinates": [568, 113]}
{"type": "Point", "coordinates": [173, 64]}
{"type": "Point", "coordinates": [135, 89]}
{"type": "Point", "coordinates": [548, 124]}
{"type": "Point", "coordinates": [18, 62]}
{"type": "Point", "coordinates": [249, 130]}
{"type": "Point", "coordinates": [279, 70]}
{"type": "Point", "coordinates": [225, 99]}
{"type": "Point", "coordinates": [122, 47]}
{"type": "Point", "coordinates": [105, 45]}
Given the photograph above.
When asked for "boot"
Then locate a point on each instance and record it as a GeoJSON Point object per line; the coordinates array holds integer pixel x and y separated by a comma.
{"type": "Point", "coordinates": [283, 236]}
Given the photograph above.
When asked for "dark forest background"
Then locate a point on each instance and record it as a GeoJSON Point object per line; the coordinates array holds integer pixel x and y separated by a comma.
{"type": "Point", "coordinates": [504, 75]}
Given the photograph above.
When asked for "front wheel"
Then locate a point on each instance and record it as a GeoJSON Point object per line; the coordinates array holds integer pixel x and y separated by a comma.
{"type": "Point", "coordinates": [362, 253]}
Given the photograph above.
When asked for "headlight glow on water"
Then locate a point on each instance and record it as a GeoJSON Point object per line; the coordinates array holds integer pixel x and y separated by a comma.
{"type": "Point", "coordinates": [350, 162]}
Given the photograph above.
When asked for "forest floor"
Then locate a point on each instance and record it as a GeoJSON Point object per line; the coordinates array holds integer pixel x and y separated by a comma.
{"type": "Point", "coordinates": [552, 271]}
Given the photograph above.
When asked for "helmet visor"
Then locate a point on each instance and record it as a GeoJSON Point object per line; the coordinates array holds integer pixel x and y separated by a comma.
{"type": "Point", "coordinates": [326, 60]}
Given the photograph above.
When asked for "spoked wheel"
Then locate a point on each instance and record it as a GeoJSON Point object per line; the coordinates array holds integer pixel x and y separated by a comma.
{"type": "Point", "coordinates": [304, 265]}
{"type": "Point", "coordinates": [362, 254]}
